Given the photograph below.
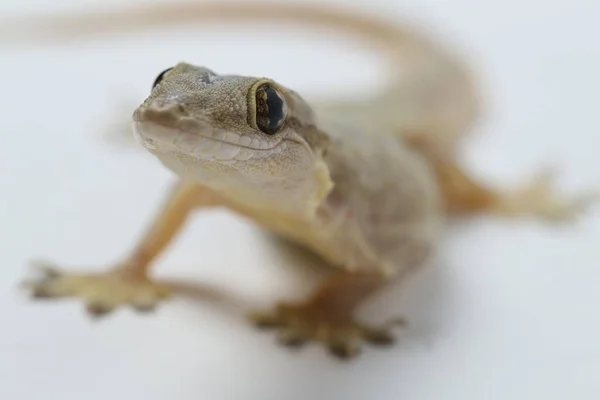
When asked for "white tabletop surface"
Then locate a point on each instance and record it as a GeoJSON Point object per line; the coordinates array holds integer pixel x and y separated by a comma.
{"type": "Point", "coordinates": [510, 311]}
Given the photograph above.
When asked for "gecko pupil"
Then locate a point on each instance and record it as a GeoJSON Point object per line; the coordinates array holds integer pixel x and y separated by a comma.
{"type": "Point", "coordinates": [270, 109]}
{"type": "Point", "coordinates": [160, 77]}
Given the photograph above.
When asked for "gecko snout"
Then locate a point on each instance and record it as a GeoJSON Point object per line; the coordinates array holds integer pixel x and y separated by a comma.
{"type": "Point", "coordinates": [161, 111]}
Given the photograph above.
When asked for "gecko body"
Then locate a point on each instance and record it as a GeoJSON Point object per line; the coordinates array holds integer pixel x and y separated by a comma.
{"type": "Point", "coordinates": [349, 196]}
{"type": "Point", "coordinates": [367, 184]}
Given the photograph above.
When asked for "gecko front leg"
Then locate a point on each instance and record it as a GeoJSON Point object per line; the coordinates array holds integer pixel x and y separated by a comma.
{"type": "Point", "coordinates": [129, 281]}
{"type": "Point", "coordinates": [328, 315]}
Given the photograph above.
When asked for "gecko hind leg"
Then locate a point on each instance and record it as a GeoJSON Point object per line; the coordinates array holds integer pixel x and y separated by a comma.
{"type": "Point", "coordinates": [536, 198]}
{"type": "Point", "coordinates": [327, 316]}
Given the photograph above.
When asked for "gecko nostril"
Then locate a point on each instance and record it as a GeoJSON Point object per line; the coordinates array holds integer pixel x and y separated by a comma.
{"type": "Point", "coordinates": [173, 108]}
{"type": "Point", "coordinates": [181, 109]}
{"type": "Point", "coordinates": [176, 109]}
{"type": "Point", "coordinates": [168, 112]}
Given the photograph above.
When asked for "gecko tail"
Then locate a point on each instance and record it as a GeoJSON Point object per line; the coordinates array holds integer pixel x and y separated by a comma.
{"type": "Point", "coordinates": [431, 89]}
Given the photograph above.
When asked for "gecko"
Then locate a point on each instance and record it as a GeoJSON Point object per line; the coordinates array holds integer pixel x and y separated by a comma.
{"type": "Point", "coordinates": [367, 184]}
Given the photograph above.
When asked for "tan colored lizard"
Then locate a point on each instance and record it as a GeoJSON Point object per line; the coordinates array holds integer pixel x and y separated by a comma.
{"type": "Point", "coordinates": [367, 184]}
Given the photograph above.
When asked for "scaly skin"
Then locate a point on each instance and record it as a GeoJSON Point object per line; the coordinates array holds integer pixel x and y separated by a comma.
{"type": "Point", "coordinates": [349, 197]}
{"type": "Point", "coordinates": [366, 184]}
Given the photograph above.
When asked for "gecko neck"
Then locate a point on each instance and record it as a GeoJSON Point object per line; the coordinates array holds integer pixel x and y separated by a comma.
{"type": "Point", "coordinates": [293, 196]}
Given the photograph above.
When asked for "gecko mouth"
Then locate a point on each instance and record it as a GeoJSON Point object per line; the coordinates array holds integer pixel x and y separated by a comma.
{"type": "Point", "coordinates": [156, 137]}
{"type": "Point", "coordinates": [170, 130]}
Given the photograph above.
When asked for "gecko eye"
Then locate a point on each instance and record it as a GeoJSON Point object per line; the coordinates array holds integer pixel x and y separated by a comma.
{"type": "Point", "coordinates": [160, 77]}
{"type": "Point", "coordinates": [271, 109]}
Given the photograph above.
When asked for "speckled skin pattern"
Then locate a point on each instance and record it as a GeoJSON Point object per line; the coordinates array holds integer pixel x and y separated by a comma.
{"type": "Point", "coordinates": [362, 201]}
{"type": "Point", "coordinates": [366, 183]}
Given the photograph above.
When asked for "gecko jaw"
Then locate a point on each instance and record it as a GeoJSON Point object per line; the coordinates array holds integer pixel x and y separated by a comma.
{"type": "Point", "coordinates": [156, 137]}
{"type": "Point", "coordinates": [169, 128]}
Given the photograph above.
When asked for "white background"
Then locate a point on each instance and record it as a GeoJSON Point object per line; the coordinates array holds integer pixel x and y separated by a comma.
{"type": "Point", "coordinates": [511, 311]}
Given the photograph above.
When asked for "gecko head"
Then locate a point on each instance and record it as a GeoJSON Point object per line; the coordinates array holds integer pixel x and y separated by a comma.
{"type": "Point", "coordinates": [228, 131]}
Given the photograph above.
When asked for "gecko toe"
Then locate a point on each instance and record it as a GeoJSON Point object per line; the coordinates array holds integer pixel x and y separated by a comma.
{"type": "Point", "coordinates": [541, 198]}
{"type": "Point", "coordinates": [344, 350]}
{"type": "Point", "coordinates": [267, 321]}
{"type": "Point", "coordinates": [301, 324]}
{"type": "Point", "coordinates": [44, 284]}
{"type": "Point", "coordinates": [382, 336]}
{"type": "Point", "coordinates": [101, 292]}
{"type": "Point", "coordinates": [46, 269]}
{"type": "Point", "coordinates": [44, 288]}
{"type": "Point", "coordinates": [98, 309]}
{"type": "Point", "coordinates": [146, 306]}
{"type": "Point", "coordinates": [145, 302]}
{"type": "Point", "coordinates": [293, 338]}
{"type": "Point", "coordinates": [42, 293]}
{"type": "Point", "coordinates": [379, 338]}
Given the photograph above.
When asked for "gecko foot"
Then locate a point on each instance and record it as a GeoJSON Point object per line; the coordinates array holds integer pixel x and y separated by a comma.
{"type": "Point", "coordinates": [539, 198]}
{"type": "Point", "coordinates": [341, 334]}
{"type": "Point", "coordinates": [101, 292]}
